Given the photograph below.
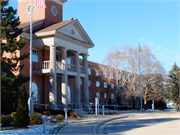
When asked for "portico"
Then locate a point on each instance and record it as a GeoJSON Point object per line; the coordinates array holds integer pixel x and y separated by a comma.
{"type": "Point", "coordinates": [67, 45]}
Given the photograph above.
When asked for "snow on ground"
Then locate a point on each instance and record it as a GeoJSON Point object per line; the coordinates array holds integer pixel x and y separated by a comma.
{"type": "Point", "coordinates": [37, 129]}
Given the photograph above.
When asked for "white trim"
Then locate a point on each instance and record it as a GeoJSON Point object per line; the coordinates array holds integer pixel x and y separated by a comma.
{"type": "Point", "coordinates": [38, 93]}
{"type": "Point", "coordinates": [55, 9]}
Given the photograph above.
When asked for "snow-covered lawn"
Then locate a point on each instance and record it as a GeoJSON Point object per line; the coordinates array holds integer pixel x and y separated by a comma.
{"type": "Point", "coordinates": [51, 128]}
{"type": "Point", "coordinates": [37, 129]}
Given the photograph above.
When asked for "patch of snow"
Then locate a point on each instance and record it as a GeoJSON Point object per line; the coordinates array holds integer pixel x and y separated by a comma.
{"type": "Point", "coordinates": [37, 129]}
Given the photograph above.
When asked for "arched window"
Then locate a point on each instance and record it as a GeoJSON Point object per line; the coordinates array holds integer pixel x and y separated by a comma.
{"type": "Point", "coordinates": [35, 93]}
{"type": "Point", "coordinates": [69, 95]}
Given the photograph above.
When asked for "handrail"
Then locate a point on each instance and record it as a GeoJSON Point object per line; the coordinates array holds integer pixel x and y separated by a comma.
{"type": "Point", "coordinates": [60, 65]}
{"type": "Point", "coordinates": [71, 67]}
{"type": "Point", "coordinates": [81, 69]}
{"type": "Point", "coordinates": [42, 65]}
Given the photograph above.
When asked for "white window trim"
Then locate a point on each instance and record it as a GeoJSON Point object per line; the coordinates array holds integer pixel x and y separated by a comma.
{"type": "Point", "coordinates": [112, 85]}
{"type": "Point", "coordinates": [38, 93]}
{"type": "Point", "coordinates": [105, 74]}
{"type": "Point", "coordinates": [105, 95]}
{"type": "Point", "coordinates": [105, 85]}
{"type": "Point", "coordinates": [32, 54]}
{"type": "Point", "coordinates": [97, 71]}
{"type": "Point", "coordinates": [89, 82]}
{"type": "Point", "coordinates": [98, 85]}
{"type": "Point", "coordinates": [112, 95]}
{"type": "Point", "coordinates": [89, 71]}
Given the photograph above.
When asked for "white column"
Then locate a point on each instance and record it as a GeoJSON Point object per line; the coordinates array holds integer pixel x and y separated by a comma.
{"type": "Point", "coordinates": [85, 81]}
{"type": "Point", "coordinates": [64, 77]}
{"type": "Point", "coordinates": [52, 78]}
{"type": "Point", "coordinates": [77, 81]}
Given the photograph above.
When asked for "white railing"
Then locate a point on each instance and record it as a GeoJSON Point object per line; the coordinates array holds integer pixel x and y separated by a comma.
{"type": "Point", "coordinates": [71, 67]}
{"type": "Point", "coordinates": [81, 69]}
{"type": "Point", "coordinates": [41, 65]}
{"type": "Point", "coordinates": [60, 65]}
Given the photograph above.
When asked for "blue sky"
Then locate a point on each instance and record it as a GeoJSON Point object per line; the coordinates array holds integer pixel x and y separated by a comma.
{"type": "Point", "coordinates": [109, 23]}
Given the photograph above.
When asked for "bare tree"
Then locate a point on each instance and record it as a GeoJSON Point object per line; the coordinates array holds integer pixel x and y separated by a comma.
{"type": "Point", "coordinates": [152, 76]}
{"type": "Point", "coordinates": [122, 68]}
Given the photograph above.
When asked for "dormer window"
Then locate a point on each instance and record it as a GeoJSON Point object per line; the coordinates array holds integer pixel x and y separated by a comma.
{"type": "Point", "coordinates": [72, 32]}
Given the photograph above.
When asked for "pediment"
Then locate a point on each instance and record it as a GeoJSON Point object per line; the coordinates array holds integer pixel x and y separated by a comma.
{"type": "Point", "coordinates": [75, 31]}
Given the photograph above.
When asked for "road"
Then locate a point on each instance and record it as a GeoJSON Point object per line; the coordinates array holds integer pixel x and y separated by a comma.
{"type": "Point", "coordinates": [130, 123]}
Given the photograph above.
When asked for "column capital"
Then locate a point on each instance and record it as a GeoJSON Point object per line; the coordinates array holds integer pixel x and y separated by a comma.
{"type": "Point", "coordinates": [64, 49]}
{"type": "Point", "coordinates": [52, 46]}
{"type": "Point", "coordinates": [84, 54]}
{"type": "Point", "coordinates": [75, 52]}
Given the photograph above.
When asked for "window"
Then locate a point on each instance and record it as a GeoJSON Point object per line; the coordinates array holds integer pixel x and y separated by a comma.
{"type": "Point", "coordinates": [112, 95]}
{"type": "Point", "coordinates": [105, 74]}
{"type": "Point", "coordinates": [54, 10]}
{"type": "Point", "coordinates": [89, 71]}
{"type": "Point", "coordinates": [80, 81]}
{"type": "Point", "coordinates": [105, 85]}
{"type": "Point", "coordinates": [124, 87]}
{"type": "Point", "coordinates": [69, 96]}
{"type": "Point", "coordinates": [57, 57]}
{"type": "Point", "coordinates": [112, 85]}
{"type": "Point", "coordinates": [72, 32]}
{"type": "Point", "coordinates": [129, 79]}
{"type": "Point", "coordinates": [97, 83]}
{"type": "Point", "coordinates": [90, 94]}
{"type": "Point", "coordinates": [69, 63]}
{"type": "Point", "coordinates": [35, 93]}
{"type": "Point", "coordinates": [97, 72]}
{"type": "Point", "coordinates": [89, 82]}
{"type": "Point", "coordinates": [124, 96]}
{"type": "Point", "coordinates": [35, 55]}
{"type": "Point", "coordinates": [134, 88]}
{"type": "Point", "coordinates": [105, 95]}
{"type": "Point", "coordinates": [124, 78]}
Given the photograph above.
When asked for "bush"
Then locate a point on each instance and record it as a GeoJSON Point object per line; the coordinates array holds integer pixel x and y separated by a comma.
{"type": "Point", "coordinates": [6, 120]}
{"type": "Point", "coordinates": [13, 114]}
{"type": "Point", "coordinates": [22, 114]}
{"type": "Point", "coordinates": [47, 113]}
{"type": "Point", "coordinates": [74, 115]}
{"type": "Point", "coordinates": [35, 118]}
{"type": "Point", "coordinates": [59, 117]}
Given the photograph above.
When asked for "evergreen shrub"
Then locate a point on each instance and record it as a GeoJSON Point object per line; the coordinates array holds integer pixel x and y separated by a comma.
{"type": "Point", "coordinates": [22, 113]}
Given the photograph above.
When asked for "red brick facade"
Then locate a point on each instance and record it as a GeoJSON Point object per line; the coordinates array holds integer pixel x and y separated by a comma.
{"type": "Point", "coordinates": [42, 80]}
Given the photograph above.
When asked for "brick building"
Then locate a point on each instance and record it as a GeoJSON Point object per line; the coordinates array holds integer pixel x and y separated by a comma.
{"type": "Point", "coordinates": [61, 73]}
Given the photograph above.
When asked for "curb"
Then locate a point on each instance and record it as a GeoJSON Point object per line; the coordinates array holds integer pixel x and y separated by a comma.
{"type": "Point", "coordinates": [97, 125]}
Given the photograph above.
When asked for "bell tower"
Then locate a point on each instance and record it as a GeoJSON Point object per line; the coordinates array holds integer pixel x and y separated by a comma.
{"type": "Point", "coordinates": [51, 14]}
